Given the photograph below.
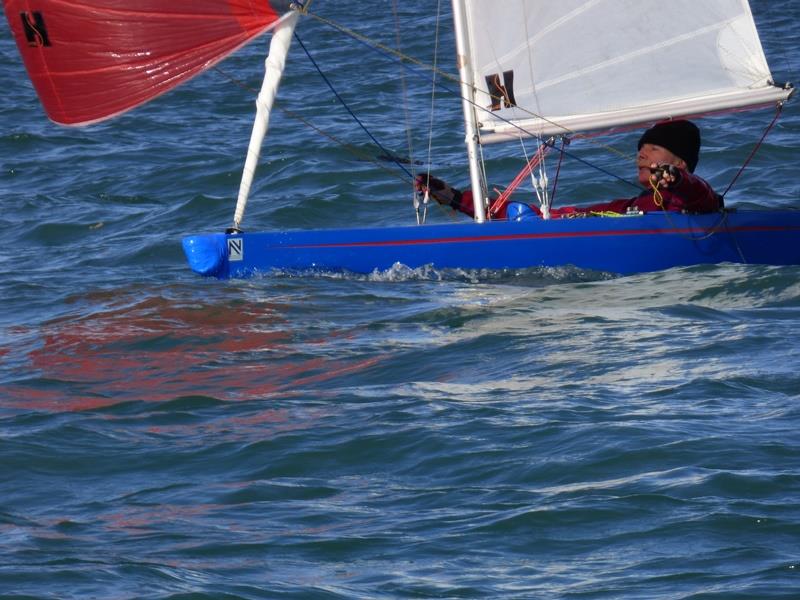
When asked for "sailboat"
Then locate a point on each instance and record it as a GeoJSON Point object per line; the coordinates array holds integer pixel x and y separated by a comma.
{"type": "Point", "coordinates": [528, 69]}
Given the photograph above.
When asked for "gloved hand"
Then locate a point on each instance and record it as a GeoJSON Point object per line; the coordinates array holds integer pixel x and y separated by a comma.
{"type": "Point", "coordinates": [439, 190]}
{"type": "Point", "coordinates": [665, 175]}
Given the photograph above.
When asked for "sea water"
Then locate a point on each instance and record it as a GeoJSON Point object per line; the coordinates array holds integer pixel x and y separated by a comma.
{"type": "Point", "coordinates": [408, 434]}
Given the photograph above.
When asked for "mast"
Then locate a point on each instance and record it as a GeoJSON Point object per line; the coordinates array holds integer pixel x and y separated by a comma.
{"type": "Point", "coordinates": [274, 66]}
{"type": "Point", "coordinates": [468, 105]}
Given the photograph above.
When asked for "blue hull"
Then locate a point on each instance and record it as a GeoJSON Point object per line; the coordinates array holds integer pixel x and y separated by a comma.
{"type": "Point", "coordinates": [623, 245]}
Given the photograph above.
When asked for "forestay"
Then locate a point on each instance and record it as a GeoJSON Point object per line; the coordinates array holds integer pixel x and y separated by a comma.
{"type": "Point", "coordinates": [558, 67]}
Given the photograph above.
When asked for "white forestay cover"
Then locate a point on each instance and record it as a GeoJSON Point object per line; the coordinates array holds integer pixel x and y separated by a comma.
{"type": "Point", "coordinates": [576, 65]}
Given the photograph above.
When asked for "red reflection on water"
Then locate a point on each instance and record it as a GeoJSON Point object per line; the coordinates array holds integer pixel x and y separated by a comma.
{"type": "Point", "coordinates": [136, 519]}
{"type": "Point", "coordinates": [156, 350]}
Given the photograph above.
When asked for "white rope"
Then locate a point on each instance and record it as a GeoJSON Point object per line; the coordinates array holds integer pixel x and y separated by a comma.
{"type": "Point", "coordinates": [406, 103]}
{"type": "Point", "coordinates": [435, 71]}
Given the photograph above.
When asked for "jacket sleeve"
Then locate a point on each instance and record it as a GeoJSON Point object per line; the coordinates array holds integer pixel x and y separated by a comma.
{"type": "Point", "coordinates": [691, 194]}
{"type": "Point", "coordinates": [462, 202]}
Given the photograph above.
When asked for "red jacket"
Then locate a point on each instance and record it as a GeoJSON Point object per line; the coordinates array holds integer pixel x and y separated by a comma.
{"type": "Point", "coordinates": [691, 194]}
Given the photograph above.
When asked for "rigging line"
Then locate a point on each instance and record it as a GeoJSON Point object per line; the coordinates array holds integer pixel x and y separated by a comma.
{"type": "Point", "coordinates": [659, 200]}
{"type": "Point", "coordinates": [595, 167]}
{"type": "Point", "coordinates": [429, 156]}
{"type": "Point", "coordinates": [301, 6]}
{"type": "Point", "coordinates": [502, 98]}
{"type": "Point", "coordinates": [350, 148]}
{"type": "Point", "coordinates": [525, 170]}
{"type": "Point", "coordinates": [404, 87]}
{"type": "Point", "coordinates": [755, 148]}
{"type": "Point", "coordinates": [433, 83]}
{"type": "Point", "coordinates": [532, 163]}
{"type": "Point", "coordinates": [403, 59]}
{"type": "Point", "coordinates": [545, 202]}
{"type": "Point", "coordinates": [352, 114]}
{"type": "Point", "coordinates": [564, 143]}
{"type": "Point", "coordinates": [369, 157]}
{"type": "Point", "coordinates": [375, 45]}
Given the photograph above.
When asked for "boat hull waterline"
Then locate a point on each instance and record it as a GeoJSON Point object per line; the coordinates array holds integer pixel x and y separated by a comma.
{"type": "Point", "coordinates": [624, 245]}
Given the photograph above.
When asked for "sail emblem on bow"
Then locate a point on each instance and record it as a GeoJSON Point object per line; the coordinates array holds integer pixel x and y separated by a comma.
{"type": "Point", "coordinates": [575, 65]}
{"type": "Point", "coordinates": [90, 60]}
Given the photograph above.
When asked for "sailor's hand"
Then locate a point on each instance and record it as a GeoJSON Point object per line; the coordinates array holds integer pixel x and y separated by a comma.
{"type": "Point", "coordinates": [429, 182]}
{"type": "Point", "coordinates": [664, 176]}
{"type": "Point", "coordinates": [439, 190]}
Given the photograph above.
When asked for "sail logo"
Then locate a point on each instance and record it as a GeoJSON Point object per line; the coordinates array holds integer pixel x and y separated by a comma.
{"type": "Point", "coordinates": [35, 29]}
{"type": "Point", "coordinates": [235, 249]}
{"type": "Point", "coordinates": [502, 94]}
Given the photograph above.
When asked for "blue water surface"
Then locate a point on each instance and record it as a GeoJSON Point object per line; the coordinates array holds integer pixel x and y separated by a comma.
{"type": "Point", "coordinates": [548, 433]}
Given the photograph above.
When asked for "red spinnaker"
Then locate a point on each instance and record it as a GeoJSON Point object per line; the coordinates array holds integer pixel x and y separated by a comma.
{"type": "Point", "coordinates": [93, 59]}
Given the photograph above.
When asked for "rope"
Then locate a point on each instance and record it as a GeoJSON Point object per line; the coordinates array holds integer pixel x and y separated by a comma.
{"type": "Point", "coordinates": [404, 87]}
{"type": "Point", "coordinates": [373, 45]}
{"type": "Point", "coordinates": [501, 200]}
{"type": "Point", "coordinates": [351, 149]}
{"type": "Point", "coordinates": [658, 198]}
{"type": "Point", "coordinates": [564, 143]}
{"type": "Point", "coordinates": [755, 148]}
{"type": "Point", "coordinates": [404, 59]}
{"type": "Point", "coordinates": [426, 195]}
{"type": "Point", "coordinates": [352, 114]}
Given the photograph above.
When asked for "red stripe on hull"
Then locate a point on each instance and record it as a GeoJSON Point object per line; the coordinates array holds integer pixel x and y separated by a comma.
{"type": "Point", "coordinates": [532, 236]}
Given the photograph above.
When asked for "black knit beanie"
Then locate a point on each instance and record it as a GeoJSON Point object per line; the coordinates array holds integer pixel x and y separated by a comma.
{"type": "Point", "coordinates": [682, 138]}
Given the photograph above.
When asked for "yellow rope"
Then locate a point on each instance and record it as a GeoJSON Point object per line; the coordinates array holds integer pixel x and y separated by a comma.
{"type": "Point", "coordinates": [606, 213]}
{"type": "Point", "coordinates": [657, 197]}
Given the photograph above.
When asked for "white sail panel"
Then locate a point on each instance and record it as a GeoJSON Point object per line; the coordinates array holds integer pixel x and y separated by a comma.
{"type": "Point", "coordinates": [554, 67]}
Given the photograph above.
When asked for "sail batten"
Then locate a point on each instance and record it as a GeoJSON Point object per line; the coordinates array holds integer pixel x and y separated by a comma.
{"type": "Point", "coordinates": [90, 60]}
{"type": "Point", "coordinates": [542, 67]}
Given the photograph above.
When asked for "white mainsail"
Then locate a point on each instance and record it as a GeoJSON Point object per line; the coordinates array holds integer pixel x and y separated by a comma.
{"type": "Point", "coordinates": [575, 65]}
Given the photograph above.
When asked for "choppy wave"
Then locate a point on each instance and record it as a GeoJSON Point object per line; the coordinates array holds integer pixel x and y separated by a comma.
{"type": "Point", "coordinates": [539, 433]}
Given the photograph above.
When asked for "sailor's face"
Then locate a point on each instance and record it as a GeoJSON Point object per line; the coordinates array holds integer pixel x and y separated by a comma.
{"type": "Point", "coordinates": [653, 154]}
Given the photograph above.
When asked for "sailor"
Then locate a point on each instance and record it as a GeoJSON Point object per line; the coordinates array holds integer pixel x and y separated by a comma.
{"type": "Point", "coordinates": [667, 156]}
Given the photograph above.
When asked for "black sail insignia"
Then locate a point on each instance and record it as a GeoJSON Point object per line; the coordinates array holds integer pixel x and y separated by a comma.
{"type": "Point", "coordinates": [35, 29]}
